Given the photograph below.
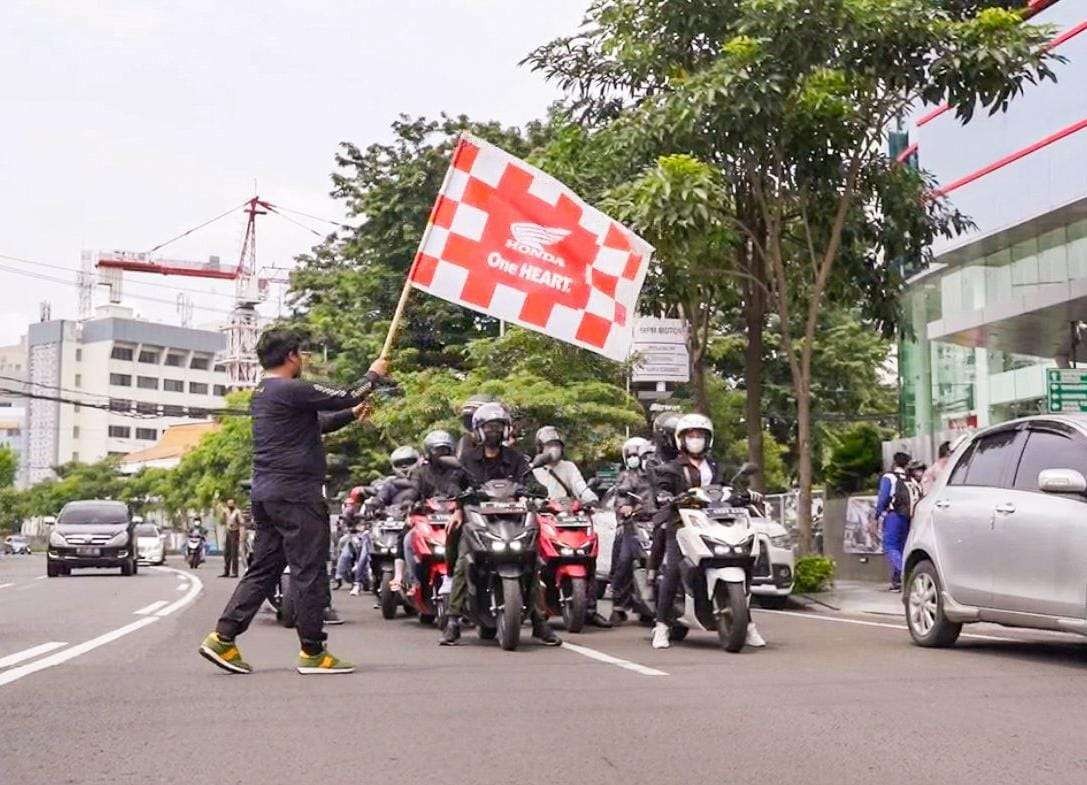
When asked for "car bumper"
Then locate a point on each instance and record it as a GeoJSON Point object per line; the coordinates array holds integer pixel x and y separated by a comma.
{"type": "Point", "coordinates": [153, 557]}
{"type": "Point", "coordinates": [110, 557]}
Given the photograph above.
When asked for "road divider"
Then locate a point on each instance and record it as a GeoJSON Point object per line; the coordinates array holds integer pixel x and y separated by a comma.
{"type": "Point", "coordinates": [29, 654]}
{"type": "Point", "coordinates": [600, 656]}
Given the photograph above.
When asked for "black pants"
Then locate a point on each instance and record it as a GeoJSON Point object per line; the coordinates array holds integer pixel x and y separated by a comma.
{"type": "Point", "coordinates": [625, 551]}
{"type": "Point", "coordinates": [670, 577]}
{"type": "Point", "coordinates": [291, 533]}
{"type": "Point", "coordinates": [230, 553]}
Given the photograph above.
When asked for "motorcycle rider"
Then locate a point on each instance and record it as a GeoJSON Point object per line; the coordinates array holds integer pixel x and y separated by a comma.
{"type": "Point", "coordinates": [664, 450]}
{"type": "Point", "coordinates": [432, 480]}
{"type": "Point", "coordinates": [563, 480]}
{"type": "Point", "coordinates": [692, 468]}
{"type": "Point", "coordinates": [633, 481]}
{"type": "Point", "coordinates": [492, 460]}
{"type": "Point", "coordinates": [467, 411]}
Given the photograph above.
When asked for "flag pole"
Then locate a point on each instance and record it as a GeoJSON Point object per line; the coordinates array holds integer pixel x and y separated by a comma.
{"type": "Point", "coordinates": [394, 325]}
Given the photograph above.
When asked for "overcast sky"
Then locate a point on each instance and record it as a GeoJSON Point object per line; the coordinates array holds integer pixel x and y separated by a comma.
{"type": "Point", "coordinates": [125, 122]}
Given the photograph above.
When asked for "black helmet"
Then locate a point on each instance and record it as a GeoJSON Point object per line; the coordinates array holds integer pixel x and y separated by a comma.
{"type": "Point", "coordinates": [403, 459]}
{"type": "Point", "coordinates": [437, 440]}
{"type": "Point", "coordinates": [470, 406]}
{"type": "Point", "coordinates": [664, 434]}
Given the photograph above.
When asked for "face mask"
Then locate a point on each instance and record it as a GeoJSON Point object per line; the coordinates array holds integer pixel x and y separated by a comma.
{"type": "Point", "coordinates": [492, 438]}
{"type": "Point", "coordinates": [553, 453]}
{"type": "Point", "coordinates": [633, 462]}
{"type": "Point", "coordinates": [695, 444]}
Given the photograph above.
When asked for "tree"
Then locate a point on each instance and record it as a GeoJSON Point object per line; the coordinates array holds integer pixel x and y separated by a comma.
{"type": "Point", "coordinates": [9, 465]}
{"type": "Point", "coordinates": [799, 94]}
{"type": "Point", "coordinates": [855, 459]}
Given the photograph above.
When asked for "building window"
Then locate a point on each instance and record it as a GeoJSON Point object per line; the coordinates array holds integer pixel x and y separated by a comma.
{"type": "Point", "coordinates": [120, 379]}
{"type": "Point", "coordinates": [120, 432]}
{"type": "Point", "coordinates": [76, 407]}
{"type": "Point", "coordinates": [199, 363]}
{"type": "Point", "coordinates": [147, 382]}
{"type": "Point", "coordinates": [79, 380]}
{"type": "Point", "coordinates": [146, 407]}
{"type": "Point", "coordinates": [220, 390]}
{"type": "Point", "coordinates": [149, 356]}
{"type": "Point", "coordinates": [196, 411]}
{"type": "Point", "coordinates": [198, 388]}
{"type": "Point", "coordinates": [119, 404]}
{"type": "Point", "coordinates": [175, 360]}
{"type": "Point", "coordinates": [173, 411]}
{"type": "Point", "coordinates": [79, 355]}
{"type": "Point", "coordinates": [173, 385]}
{"type": "Point", "coordinates": [121, 353]}
{"type": "Point", "coordinates": [220, 368]}
{"type": "Point", "coordinates": [146, 434]}
{"type": "Point", "coordinates": [75, 431]}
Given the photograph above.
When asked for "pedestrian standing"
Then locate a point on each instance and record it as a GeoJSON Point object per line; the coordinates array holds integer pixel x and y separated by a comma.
{"type": "Point", "coordinates": [936, 471]}
{"type": "Point", "coordinates": [289, 509]}
{"type": "Point", "coordinates": [232, 546]}
{"type": "Point", "coordinates": [893, 505]}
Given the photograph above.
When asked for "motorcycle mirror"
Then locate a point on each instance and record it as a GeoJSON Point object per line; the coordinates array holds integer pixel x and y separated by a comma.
{"type": "Point", "coordinates": [747, 470]}
{"type": "Point", "coordinates": [540, 460]}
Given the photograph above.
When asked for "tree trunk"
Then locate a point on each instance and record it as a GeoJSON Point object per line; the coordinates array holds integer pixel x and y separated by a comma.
{"type": "Point", "coordinates": [698, 378]}
{"type": "Point", "coordinates": [804, 463]}
{"type": "Point", "coordinates": [755, 318]}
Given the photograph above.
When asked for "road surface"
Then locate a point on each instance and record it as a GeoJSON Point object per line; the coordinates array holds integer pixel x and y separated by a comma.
{"type": "Point", "coordinates": [100, 683]}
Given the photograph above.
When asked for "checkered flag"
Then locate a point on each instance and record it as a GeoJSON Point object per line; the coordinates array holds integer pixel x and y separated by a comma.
{"type": "Point", "coordinates": [512, 242]}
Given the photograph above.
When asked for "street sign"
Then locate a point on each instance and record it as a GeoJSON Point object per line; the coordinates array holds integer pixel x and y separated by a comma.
{"type": "Point", "coordinates": [662, 348]}
{"type": "Point", "coordinates": [1066, 389]}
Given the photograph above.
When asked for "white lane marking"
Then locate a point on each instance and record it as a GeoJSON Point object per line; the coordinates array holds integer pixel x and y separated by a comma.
{"type": "Point", "coordinates": [5, 585]}
{"type": "Point", "coordinates": [30, 653]}
{"type": "Point", "coordinates": [194, 588]}
{"type": "Point", "coordinates": [593, 654]}
{"type": "Point", "coordinates": [75, 651]}
{"type": "Point", "coordinates": [149, 609]}
{"type": "Point", "coordinates": [41, 577]}
{"type": "Point", "coordinates": [71, 653]}
{"type": "Point", "coordinates": [821, 617]}
{"type": "Point", "coordinates": [27, 586]}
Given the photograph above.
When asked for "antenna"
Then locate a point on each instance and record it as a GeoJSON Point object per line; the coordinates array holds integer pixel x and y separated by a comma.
{"type": "Point", "coordinates": [184, 309]}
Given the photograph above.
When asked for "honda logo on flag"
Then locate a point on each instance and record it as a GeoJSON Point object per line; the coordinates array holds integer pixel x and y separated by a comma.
{"type": "Point", "coordinates": [510, 241]}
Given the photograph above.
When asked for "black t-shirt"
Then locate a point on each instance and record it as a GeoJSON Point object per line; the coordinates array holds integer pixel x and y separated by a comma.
{"type": "Point", "coordinates": [509, 464]}
{"type": "Point", "coordinates": [289, 416]}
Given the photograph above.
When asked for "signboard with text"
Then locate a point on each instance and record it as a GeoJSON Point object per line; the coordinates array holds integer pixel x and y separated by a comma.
{"type": "Point", "coordinates": [661, 345]}
{"type": "Point", "coordinates": [1066, 389]}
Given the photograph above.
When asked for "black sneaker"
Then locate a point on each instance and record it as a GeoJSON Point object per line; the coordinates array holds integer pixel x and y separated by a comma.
{"type": "Point", "coordinates": [597, 620]}
{"type": "Point", "coordinates": [331, 617]}
{"type": "Point", "coordinates": [451, 635]}
{"type": "Point", "coordinates": [542, 632]}
{"type": "Point", "coordinates": [618, 616]}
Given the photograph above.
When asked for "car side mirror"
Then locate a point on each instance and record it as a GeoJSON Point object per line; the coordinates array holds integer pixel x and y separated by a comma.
{"type": "Point", "coordinates": [1062, 481]}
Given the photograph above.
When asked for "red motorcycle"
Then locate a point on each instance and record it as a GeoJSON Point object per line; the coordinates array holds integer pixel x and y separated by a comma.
{"type": "Point", "coordinates": [428, 526]}
{"type": "Point", "coordinates": [568, 550]}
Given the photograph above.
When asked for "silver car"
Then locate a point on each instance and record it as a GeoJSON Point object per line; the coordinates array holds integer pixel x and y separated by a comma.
{"type": "Point", "coordinates": [1002, 536]}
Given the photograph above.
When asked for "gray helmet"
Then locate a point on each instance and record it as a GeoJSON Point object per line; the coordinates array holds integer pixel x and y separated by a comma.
{"type": "Point", "coordinates": [635, 446]}
{"type": "Point", "coordinates": [435, 440]}
{"type": "Point", "coordinates": [548, 433]}
{"type": "Point", "coordinates": [403, 460]}
{"type": "Point", "coordinates": [491, 412]}
{"type": "Point", "coordinates": [468, 410]}
{"type": "Point", "coordinates": [694, 422]}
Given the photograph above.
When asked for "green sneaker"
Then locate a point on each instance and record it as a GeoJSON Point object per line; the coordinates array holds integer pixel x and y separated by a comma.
{"type": "Point", "coordinates": [324, 662]}
{"type": "Point", "coordinates": [223, 654]}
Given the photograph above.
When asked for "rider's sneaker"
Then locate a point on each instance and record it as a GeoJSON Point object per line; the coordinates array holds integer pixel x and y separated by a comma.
{"type": "Point", "coordinates": [225, 654]}
{"type": "Point", "coordinates": [754, 640]}
{"type": "Point", "coordinates": [598, 620]}
{"type": "Point", "coordinates": [451, 634]}
{"type": "Point", "coordinates": [331, 617]}
{"type": "Point", "coordinates": [322, 662]}
{"type": "Point", "coordinates": [355, 590]}
{"type": "Point", "coordinates": [542, 632]}
{"type": "Point", "coordinates": [660, 636]}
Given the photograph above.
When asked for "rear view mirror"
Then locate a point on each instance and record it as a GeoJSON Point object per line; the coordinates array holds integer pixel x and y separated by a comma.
{"type": "Point", "coordinates": [1062, 481]}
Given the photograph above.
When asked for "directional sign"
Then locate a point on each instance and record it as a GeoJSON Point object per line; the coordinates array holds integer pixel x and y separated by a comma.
{"type": "Point", "coordinates": [661, 345]}
{"type": "Point", "coordinates": [1066, 389]}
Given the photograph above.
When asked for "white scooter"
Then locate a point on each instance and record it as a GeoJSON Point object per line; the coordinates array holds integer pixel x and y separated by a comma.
{"type": "Point", "coordinates": [719, 546]}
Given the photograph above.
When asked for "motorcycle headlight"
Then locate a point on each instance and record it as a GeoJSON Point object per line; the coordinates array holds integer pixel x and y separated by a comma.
{"type": "Point", "coordinates": [567, 551]}
{"type": "Point", "coordinates": [515, 545]}
{"type": "Point", "coordinates": [781, 540]}
{"type": "Point", "coordinates": [722, 550]}
{"type": "Point", "coordinates": [498, 546]}
{"type": "Point", "coordinates": [439, 550]}
{"type": "Point", "coordinates": [56, 539]}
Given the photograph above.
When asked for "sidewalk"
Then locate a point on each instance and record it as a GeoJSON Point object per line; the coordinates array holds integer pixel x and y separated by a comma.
{"type": "Point", "coordinates": [854, 597]}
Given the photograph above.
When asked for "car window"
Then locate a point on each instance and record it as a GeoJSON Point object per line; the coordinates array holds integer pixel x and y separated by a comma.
{"type": "Point", "coordinates": [990, 458]}
{"type": "Point", "coordinates": [958, 474]}
{"type": "Point", "coordinates": [1049, 450]}
{"type": "Point", "coordinates": [147, 530]}
{"type": "Point", "coordinates": [106, 513]}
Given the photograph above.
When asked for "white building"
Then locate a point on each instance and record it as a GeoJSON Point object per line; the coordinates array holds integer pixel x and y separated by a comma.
{"type": "Point", "coordinates": [13, 360]}
{"type": "Point", "coordinates": [125, 382]}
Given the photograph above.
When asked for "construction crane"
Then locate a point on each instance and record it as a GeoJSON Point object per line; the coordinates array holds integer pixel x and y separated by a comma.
{"type": "Point", "coordinates": [240, 355]}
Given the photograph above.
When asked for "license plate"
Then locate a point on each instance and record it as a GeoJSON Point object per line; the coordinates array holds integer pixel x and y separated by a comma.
{"type": "Point", "coordinates": [88, 552]}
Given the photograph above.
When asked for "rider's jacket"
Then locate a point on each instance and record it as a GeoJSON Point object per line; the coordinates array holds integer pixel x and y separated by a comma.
{"type": "Point", "coordinates": [433, 481]}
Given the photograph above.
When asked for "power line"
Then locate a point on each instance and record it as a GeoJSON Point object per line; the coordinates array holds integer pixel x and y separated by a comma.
{"type": "Point", "coordinates": [315, 217]}
{"type": "Point", "coordinates": [186, 411]}
{"type": "Point", "coordinates": [187, 232]}
{"type": "Point", "coordinates": [296, 223]}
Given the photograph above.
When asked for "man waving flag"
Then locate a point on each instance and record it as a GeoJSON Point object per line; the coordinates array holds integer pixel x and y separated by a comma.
{"type": "Point", "coordinates": [512, 242]}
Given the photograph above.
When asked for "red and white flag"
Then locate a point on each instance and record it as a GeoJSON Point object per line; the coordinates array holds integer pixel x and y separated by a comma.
{"type": "Point", "coordinates": [513, 242]}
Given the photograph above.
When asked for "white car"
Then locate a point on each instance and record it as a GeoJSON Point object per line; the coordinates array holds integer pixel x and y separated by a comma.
{"type": "Point", "coordinates": [772, 576]}
{"type": "Point", "coordinates": [150, 547]}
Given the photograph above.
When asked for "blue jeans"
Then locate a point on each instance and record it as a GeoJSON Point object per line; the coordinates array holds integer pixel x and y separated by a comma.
{"type": "Point", "coordinates": [354, 559]}
{"type": "Point", "coordinates": [895, 530]}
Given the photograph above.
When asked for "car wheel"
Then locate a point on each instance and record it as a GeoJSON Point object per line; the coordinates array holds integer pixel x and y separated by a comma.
{"type": "Point", "coordinates": [928, 625]}
{"type": "Point", "coordinates": [126, 568]}
{"type": "Point", "coordinates": [51, 569]}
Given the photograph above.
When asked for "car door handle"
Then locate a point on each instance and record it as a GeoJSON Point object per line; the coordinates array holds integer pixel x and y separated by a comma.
{"type": "Point", "coordinates": [1006, 507]}
{"type": "Point", "coordinates": [942, 504]}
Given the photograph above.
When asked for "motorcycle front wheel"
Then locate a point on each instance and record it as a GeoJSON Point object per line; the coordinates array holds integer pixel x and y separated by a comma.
{"type": "Point", "coordinates": [574, 609]}
{"type": "Point", "coordinates": [387, 596]}
{"type": "Point", "coordinates": [730, 603]}
{"type": "Point", "coordinates": [509, 620]}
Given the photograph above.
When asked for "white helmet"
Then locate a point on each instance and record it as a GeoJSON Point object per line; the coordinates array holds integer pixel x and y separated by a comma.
{"type": "Point", "coordinates": [694, 422]}
{"type": "Point", "coordinates": [634, 446]}
{"type": "Point", "coordinates": [488, 413]}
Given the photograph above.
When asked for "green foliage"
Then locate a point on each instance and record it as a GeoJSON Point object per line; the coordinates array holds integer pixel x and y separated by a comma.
{"type": "Point", "coordinates": [855, 459]}
{"type": "Point", "coordinates": [813, 574]}
{"type": "Point", "coordinates": [74, 481]}
{"type": "Point", "coordinates": [9, 465]}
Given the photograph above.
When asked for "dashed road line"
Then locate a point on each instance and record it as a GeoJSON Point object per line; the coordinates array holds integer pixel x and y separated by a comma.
{"type": "Point", "coordinates": [27, 654]}
{"type": "Point", "coordinates": [147, 610]}
{"type": "Point", "coordinates": [600, 656]}
{"type": "Point", "coordinates": [5, 585]}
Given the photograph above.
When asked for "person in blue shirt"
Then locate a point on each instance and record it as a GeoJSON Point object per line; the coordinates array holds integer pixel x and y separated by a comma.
{"type": "Point", "coordinates": [893, 505]}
